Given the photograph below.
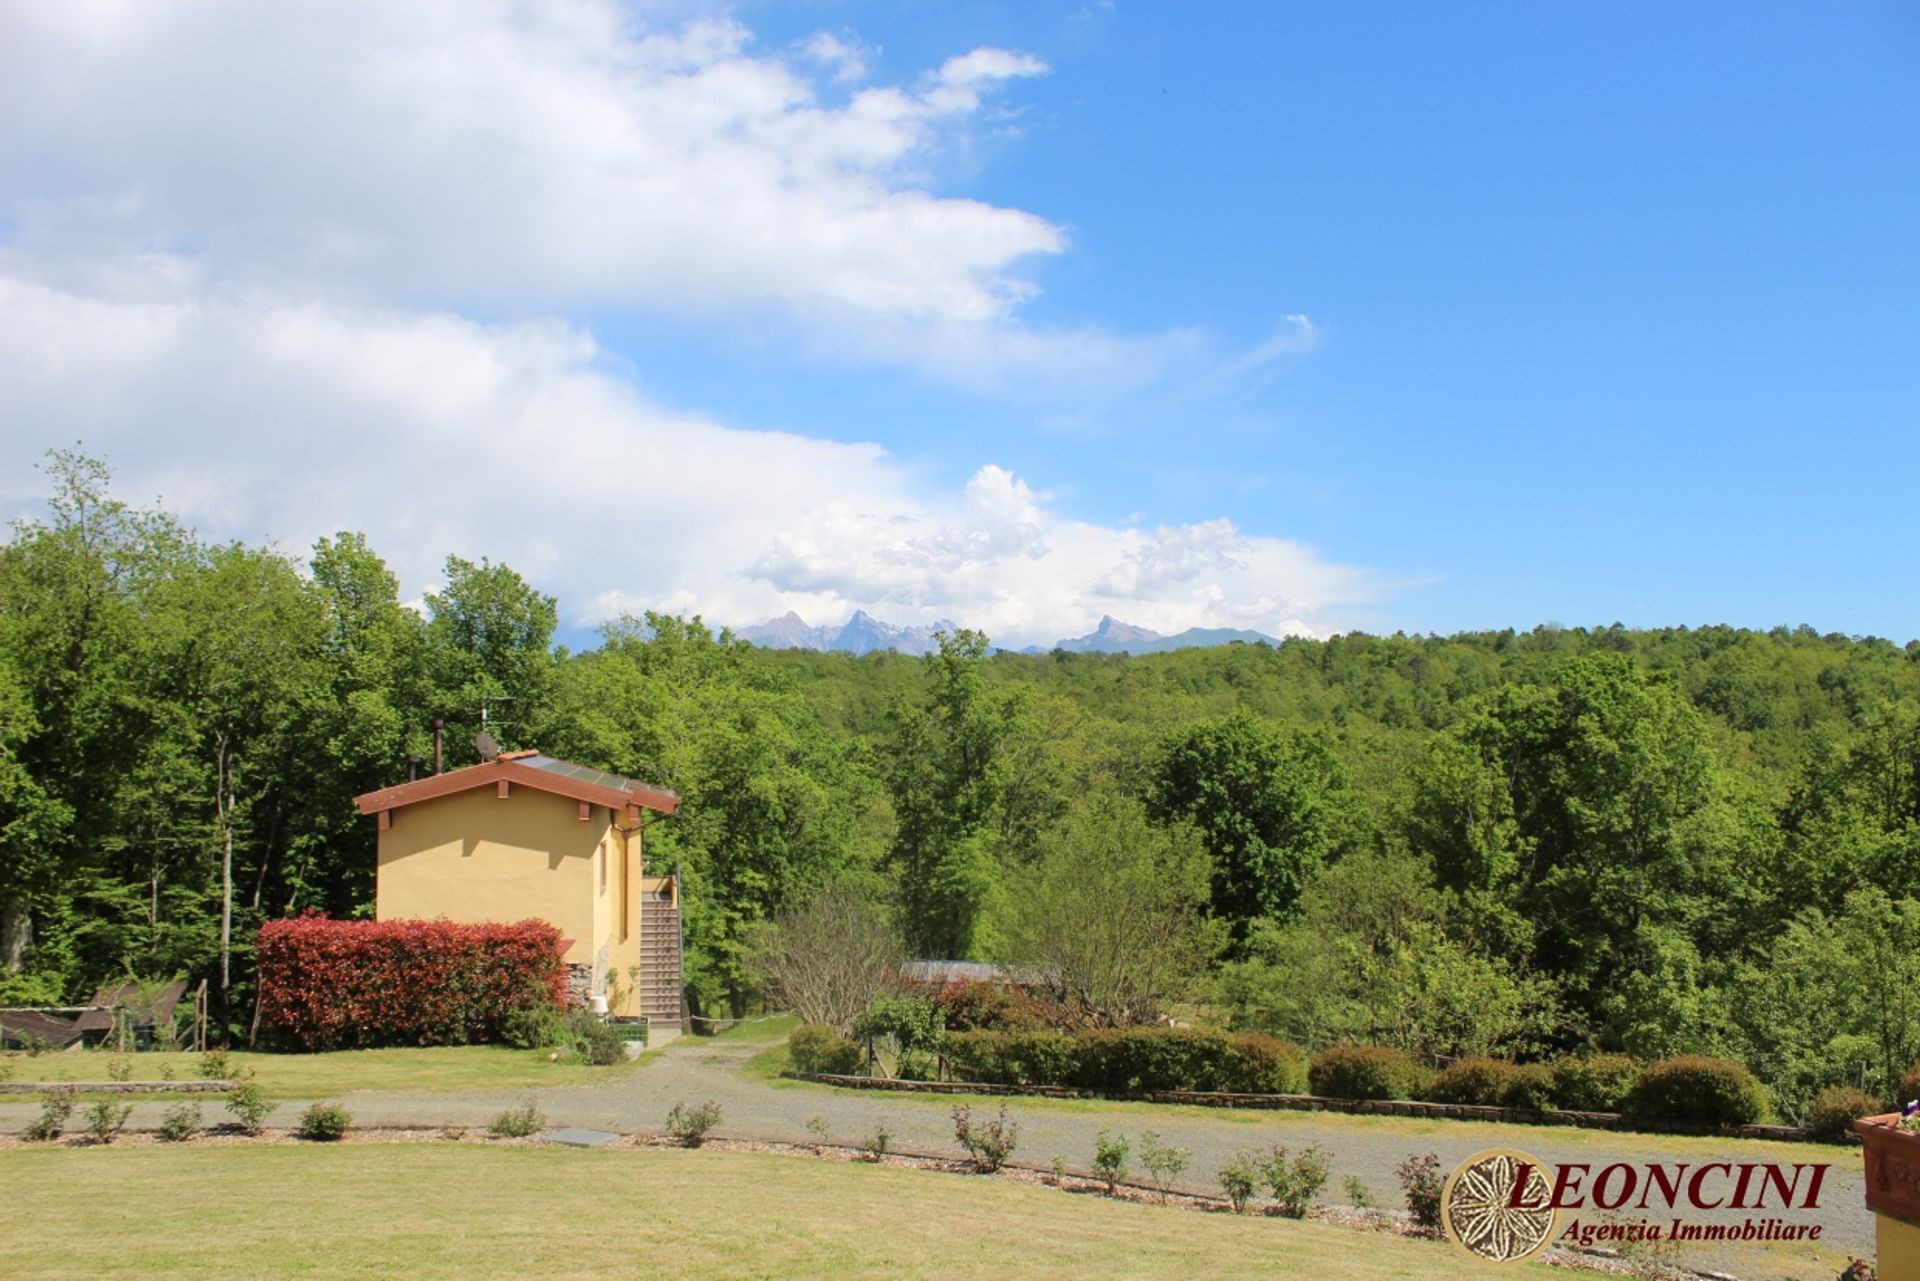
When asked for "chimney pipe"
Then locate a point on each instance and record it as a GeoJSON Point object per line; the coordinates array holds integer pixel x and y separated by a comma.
{"type": "Point", "coordinates": [413, 767]}
{"type": "Point", "coordinates": [438, 724]}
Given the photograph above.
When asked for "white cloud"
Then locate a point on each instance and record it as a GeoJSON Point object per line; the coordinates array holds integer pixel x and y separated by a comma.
{"type": "Point", "coordinates": [446, 154]}
{"type": "Point", "coordinates": [255, 415]}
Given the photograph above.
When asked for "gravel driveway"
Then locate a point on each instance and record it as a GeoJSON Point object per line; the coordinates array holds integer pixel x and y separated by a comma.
{"type": "Point", "coordinates": [693, 1070]}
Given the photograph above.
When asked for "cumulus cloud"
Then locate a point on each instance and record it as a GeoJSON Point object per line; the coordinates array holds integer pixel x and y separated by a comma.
{"type": "Point", "coordinates": [254, 415]}
{"type": "Point", "coordinates": [488, 152]}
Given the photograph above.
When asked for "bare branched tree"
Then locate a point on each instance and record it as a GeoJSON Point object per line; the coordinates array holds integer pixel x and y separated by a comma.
{"type": "Point", "coordinates": [827, 958]}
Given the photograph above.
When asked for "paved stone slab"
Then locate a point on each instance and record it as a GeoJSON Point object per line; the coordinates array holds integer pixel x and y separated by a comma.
{"type": "Point", "coordinates": [575, 1137]}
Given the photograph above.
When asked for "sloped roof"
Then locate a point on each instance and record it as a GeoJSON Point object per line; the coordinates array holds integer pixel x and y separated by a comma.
{"type": "Point", "coordinates": [542, 773]}
{"type": "Point", "coordinates": [128, 994]}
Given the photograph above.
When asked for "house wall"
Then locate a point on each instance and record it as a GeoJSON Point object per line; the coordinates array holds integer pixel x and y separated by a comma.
{"type": "Point", "coordinates": [535, 859]}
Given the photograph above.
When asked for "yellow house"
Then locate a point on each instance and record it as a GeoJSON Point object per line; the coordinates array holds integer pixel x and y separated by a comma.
{"type": "Point", "coordinates": [526, 835]}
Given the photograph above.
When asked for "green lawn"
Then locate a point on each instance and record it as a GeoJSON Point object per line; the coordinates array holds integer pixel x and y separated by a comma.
{"type": "Point", "coordinates": [316, 1076]}
{"type": "Point", "coordinates": [458, 1210]}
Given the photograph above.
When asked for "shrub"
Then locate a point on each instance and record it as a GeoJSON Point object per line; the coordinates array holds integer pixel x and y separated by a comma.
{"type": "Point", "coordinates": [105, 1119]}
{"type": "Point", "coordinates": [1125, 1060]}
{"type": "Point", "coordinates": [535, 1025]}
{"type": "Point", "coordinates": [180, 1123]}
{"type": "Point", "coordinates": [913, 1022]}
{"type": "Point", "coordinates": [1366, 1072]}
{"type": "Point", "coordinates": [1835, 1109]}
{"type": "Point", "coordinates": [248, 1104]}
{"type": "Point", "coordinates": [689, 1126]}
{"type": "Point", "coordinates": [120, 1068]}
{"type": "Point", "coordinates": [985, 1006]}
{"type": "Point", "coordinates": [1421, 1183]}
{"type": "Point", "coordinates": [875, 1145]}
{"type": "Point", "coordinates": [1494, 1083]}
{"type": "Point", "coordinates": [1266, 1065]}
{"type": "Point", "coordinates": [817, 1126]}
{"type": "Point", "coordinates": [1693, 1088]}
{"type": "Point", "coordinates": [1239, 1178]}
{"type": "Point", "coordinates": [594, 1041]}
{"type": "Point", "coordinates": [216, 1065]}
{"type": "Point", "coordinates": [518, 1123]}
{"type": "Point", "coordinates": [1909, 1085]}
{"type": "Point", "coordinates": [1295, 1182]}
{"type": "Point", "coordinates": [815, 1047]}
{"type": "Point", "coordinates": [1165, 1164]}
{"type": "Point", "coordinates": [1009, 1058]}
{"type": "Point", "coordinates": [989, 1144]}
{"type": "Point", "coordinates": [1110, 1158]}
{"type": "Point", "coordinates": [1058, 1165]}
{"type": "Point", "coordinates": [329, 985]}
{"type": "Point", "coordinates": [56, 1107]}
{"type": "Point", "coordinates": [324, 1122]}
{"type": "Point", "coordinates": [1594, 1083]}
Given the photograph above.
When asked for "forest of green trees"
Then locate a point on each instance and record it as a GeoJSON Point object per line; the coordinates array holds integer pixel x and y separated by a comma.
{"type": "Point", "coordinates": [1683, 839]}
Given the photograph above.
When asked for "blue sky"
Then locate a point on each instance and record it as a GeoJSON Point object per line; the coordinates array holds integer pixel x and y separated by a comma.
{"type": "Point", "coordinates": [1289, 316]}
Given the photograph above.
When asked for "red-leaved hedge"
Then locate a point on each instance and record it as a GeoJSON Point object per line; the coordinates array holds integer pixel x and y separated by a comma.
{"type": "Point", "coordinates": [332, 985]}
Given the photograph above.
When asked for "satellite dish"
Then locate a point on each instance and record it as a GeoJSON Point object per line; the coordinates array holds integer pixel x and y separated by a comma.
{"type": "Point", "coordinates": [488, 748]}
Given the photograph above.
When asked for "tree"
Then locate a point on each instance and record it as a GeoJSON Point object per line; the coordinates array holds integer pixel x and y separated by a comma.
{"type": "Point", "coordinates": [1273, 807]}
{"type": "Point", "coordinates": [1112, 914]}
{"type": "Point", "coordinates": [968, 797]}
{"type": "Point", "coordinates": [827, 958]}
{"type": "Point", "coordinates": [490, 639]}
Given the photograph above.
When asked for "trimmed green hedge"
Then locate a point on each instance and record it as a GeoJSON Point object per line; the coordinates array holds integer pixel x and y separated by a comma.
{"type": "Point", "coordinates": [1009, 1058]}
{"type": "Point", "coordinates": [1494, 1083]}
{"type": "Point", "coordinates": [1128, 1060]}
{"type": "Point", "coordinates": [1696, 1088]}
{"type": "Point", "coordinates": [815, 1047]}
{"type": "Point", "coordinates": [1834, 1110]}
{"type": "Point", "coordinates": [1594, 1083]}
{"type": "Point", "coordinates": [1367, 1072]}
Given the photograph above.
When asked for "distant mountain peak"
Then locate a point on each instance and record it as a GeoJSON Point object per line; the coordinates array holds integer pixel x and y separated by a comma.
{"type": "Point", "coordinates": [862, 633]}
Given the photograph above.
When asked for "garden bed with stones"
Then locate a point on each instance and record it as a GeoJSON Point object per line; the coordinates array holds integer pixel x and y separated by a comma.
{"type": "Point", "coordinates": [1318, 1103]}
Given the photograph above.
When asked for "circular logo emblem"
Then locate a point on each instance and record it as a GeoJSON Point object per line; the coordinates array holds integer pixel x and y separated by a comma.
{"type": "Point", "coordinates": [1482, 1215]}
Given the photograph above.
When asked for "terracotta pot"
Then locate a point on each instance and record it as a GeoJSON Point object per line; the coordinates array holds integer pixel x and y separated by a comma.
{"type": "Point", "coordinates": [1893, 1166]}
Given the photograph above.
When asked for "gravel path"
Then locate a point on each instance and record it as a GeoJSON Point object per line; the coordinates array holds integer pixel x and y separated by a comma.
{"type": "Point", "coordinates": [693, 1070]}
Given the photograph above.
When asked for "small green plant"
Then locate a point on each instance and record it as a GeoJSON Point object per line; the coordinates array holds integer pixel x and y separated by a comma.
{"type": "Point", "coordinates": [181, 1122]}
{"type": "Point", "coordinates": [166, 1071]}
{"type": "Point", "coordinates": [324, 1122]}
{"type": "Point", "coordinates": [248, 1104]}
{"type": "Point", "coordinates": [1059, 1167]}
{"type": "Point", "coordinates": [1355, 1190]}
{"type": "Point", "coordinates": [56, 1107]}
{"type": "Point", "coordinates": [216, 1065]}
{"type": "Point", "coordinates": [689, 1126]}
{"type": "Point", "coordinates": [875, 1145]}
{"type": "Point", "coordinates": [518, 1123]}
{"type": "Point", "coordinates": [1110, 1159]}
{"type": "Point", "coordinates": [1166, 1164]}
{"type": "Point", "coordinates": [594, 1041]}
{"type": "Point", "coordinates": [120, 1068]}
{"type": "Point", "coordinates": [105, 1119]}
{"type": "Point", "coordinates": [1239, 1179]}
{"type": "Point", "coordinates": [817, 1127]}
{"type": "Point", "coordinates": [1295, 1181]}
{"type": "Point", "coordinates": [989, 1143]}
{"type": "Point", "coordinates": [1421, 1184]}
